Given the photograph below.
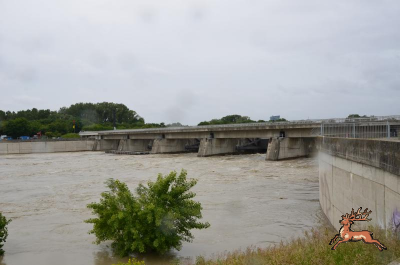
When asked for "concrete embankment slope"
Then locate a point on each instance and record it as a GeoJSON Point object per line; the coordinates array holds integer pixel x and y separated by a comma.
{"type": "Point", "coordinates": [357, 173]}
{"type": "Point", "coordinates": [29, 147]}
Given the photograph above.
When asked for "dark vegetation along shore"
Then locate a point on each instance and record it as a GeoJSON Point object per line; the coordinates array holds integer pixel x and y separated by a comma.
{"type": "Point", "coordinates": [68, 121]}
{"type": "Point", "coordinates": [77, 117]}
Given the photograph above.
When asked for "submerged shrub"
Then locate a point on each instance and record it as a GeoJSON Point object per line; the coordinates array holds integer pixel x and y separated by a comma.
{"type": "Point", "coordinates": [159, 218]}
{"type": "Point", "coordinates": [3, 232]}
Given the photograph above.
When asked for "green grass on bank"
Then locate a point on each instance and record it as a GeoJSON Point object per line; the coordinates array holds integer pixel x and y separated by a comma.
{"type": "Point", "coordinates": [314, 248]}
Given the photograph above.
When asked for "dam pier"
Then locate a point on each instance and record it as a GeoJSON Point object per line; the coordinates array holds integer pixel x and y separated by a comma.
{"type": "Point", "coordinates": [281, 140]}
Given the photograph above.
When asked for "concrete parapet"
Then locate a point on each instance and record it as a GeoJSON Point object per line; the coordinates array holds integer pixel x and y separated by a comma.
{"type": "Point", "coordinates": [165, 146]}
{"type": "Point", "coordinates": [284, 148]}
{"type": "Point", "coordinates": [210, 147]}
{"type": "Point", "coordinates": [378, 153]}
{"type": "Point", "coordinates": [358, 180]}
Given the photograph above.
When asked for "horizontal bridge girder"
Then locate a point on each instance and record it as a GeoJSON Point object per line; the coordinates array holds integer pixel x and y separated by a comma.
{"type": "Point", "coordinates": [145, 136]}
{"type": "Point", "coordinates": [114, 137]}
{"type": "Point", "coordinates": [218, 132]}
{"type": "Point", "coordinates": [221, 135]}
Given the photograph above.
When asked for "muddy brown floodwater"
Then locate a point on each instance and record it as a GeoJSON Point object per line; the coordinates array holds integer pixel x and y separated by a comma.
{"type": "Point", "coordinates": [247, 200]}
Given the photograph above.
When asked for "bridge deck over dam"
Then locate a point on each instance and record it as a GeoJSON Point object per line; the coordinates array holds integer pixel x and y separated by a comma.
{"type": "Point", "coordinates": [287, 139]}
{"type": "Point", "coordinates": [280, 140]}
{"type": "Point", "coordinates": [247, 130]}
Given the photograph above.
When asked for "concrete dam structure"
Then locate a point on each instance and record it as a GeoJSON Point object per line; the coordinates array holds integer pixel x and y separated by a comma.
{"type": "Point", "coordinates": [279, 140]}
{"type": "Point", "coordinates": [48, 146]}
{"type": "Point", "coordinates": [357, 173]}
{"type": "Point", "coordinates": [359, 161]}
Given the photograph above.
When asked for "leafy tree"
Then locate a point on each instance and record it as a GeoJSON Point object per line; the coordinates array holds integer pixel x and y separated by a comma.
{"type": "Point", "coordinates": [203, 123]}
{"type": "Point", "coordinates": [17, 127]}
{"type": "Point", "coordinates": [43, 114]}
{"type": "Point", "coordinates": [53, 134]}
{"type": "Point", "coordinates": [159, 218]}
{"type": "Point", "coordinates": [86, 115]}
{"type": "Point", "coordinates": [70, 135]}
{"type": "Point", "coordinates": [236, 119]}
{"type": "Point", "coordinates": [98, 127]}
{"type": "Point", "coordinates": [278, 120]}
{"type": "Point", "coordinates": [35, 127]}
{"type": "Point", "coordinates": [2, 115]}
{"type": "Point", "coordinates": [230, 119]}
{"type": "Point", "coordinates": [60, 126]}
{"type": "Point", "coordinates": [356, 116]}
{"type": "Point", "coordinates": [3, 232]}
{"type": "Point", "coordinates": [175, 124]}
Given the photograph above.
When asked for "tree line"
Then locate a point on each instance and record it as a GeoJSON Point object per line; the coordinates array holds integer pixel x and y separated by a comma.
{"type": "Point", "coordinates": [234, 119]}
{"type": "Point", "coordinates": [87, 117]}
{"type": "Point", "coordinates": [75, 118]}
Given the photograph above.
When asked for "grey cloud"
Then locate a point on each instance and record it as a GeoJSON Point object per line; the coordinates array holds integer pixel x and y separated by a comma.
{"type": "Point", "coordinates": [126, 61]}
{"type": "Point", "coordinates": [149, 15]}
{"type": "Point", "coordinates": [190, 60]}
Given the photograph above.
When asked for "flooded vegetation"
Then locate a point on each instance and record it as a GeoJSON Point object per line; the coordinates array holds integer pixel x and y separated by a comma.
{"type": "Point", "coordinates": [248, 202]}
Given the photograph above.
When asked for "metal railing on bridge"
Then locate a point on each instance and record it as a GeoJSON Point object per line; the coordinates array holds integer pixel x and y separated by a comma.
{"type": "Point", "coordinates": [371, 127]}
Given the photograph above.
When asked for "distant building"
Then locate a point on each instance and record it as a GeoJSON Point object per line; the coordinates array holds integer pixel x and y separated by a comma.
{"type": "Point", "coordinates": [275, 118]}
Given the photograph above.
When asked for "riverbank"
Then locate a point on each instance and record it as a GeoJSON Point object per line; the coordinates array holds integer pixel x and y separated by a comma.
{"type": "Point", "coordinates": [314, 248]}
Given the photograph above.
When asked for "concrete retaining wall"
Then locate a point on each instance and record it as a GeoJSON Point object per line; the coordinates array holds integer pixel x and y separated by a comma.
{"type": "Point", "coordinates": [45, 147]}
{"type": "Point", "coordinates": [357, 173]}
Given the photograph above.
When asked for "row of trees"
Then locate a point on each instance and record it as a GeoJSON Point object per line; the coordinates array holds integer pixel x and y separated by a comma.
{"type": "Point", "coordinates": [87, 117]}
{"type": "Point", "coordinates": [77, 117]}
{"type": "Point", "coordinates": [233, 119]}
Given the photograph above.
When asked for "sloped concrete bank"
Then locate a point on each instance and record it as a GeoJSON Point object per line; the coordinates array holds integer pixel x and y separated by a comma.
{"type": "Point", "coordinates": [357, 173]}
{"type": "Point", "coordinates": [29, 147]}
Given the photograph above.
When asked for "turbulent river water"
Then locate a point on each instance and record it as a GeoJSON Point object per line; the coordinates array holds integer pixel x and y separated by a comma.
{"type": "Point", "coordinates": [248, 202]}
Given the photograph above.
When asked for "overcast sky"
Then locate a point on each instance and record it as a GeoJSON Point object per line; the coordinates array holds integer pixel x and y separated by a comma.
{"type": "Point", "coordinates": [189, 61]}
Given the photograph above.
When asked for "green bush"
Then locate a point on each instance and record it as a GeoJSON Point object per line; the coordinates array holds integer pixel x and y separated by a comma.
{"type": "Point", "coordinates": [3, 232]}
{"type": "Point", "coordinates": [71, 135]}
{"type": "Point", "coordinates": [131, 262]}
{"type": "Point", "coordinates": [158, 218]}
{"type": "Point", "coordinates": [52, 134]}
{"type": "Point", "coordinates": [98, 127]}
